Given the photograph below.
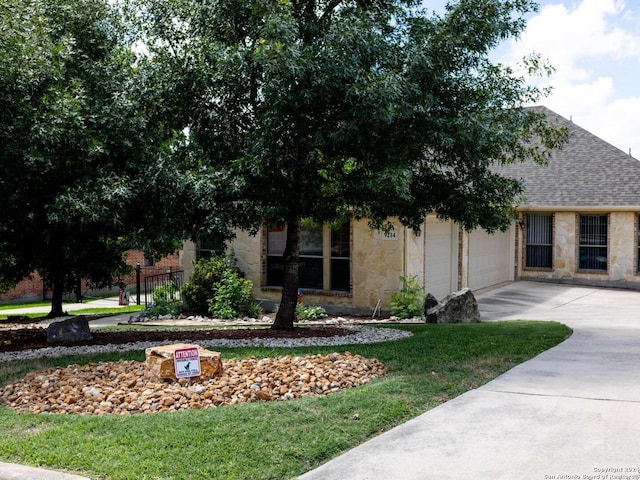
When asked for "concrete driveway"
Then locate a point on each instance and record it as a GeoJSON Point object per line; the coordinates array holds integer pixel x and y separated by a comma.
{"type": "Point", "coordinates": [573, 412]}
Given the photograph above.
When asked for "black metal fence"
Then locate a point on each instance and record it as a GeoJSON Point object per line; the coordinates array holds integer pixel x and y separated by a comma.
{"type": "Point", "coordinates": [164, 286]}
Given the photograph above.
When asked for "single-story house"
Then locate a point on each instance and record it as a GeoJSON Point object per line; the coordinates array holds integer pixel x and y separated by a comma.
{"type": "Point", "coordinates": [578, 222]}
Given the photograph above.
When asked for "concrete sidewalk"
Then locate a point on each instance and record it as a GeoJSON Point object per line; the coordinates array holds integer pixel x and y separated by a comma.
{"type": "Point", "coordinates": [572, 412]}
{"type": "Point", "coordinates": [108, 302]}
{"type": "Point", "coordinates": [10, 471]}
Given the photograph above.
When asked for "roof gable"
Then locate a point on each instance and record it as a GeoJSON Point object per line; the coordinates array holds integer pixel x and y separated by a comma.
{"type": "Point", "coordinates": [586, 172]}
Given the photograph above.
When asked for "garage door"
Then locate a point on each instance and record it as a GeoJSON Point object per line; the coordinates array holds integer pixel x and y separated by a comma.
{"type": "Point", "coordinates": [490, 258]}
{"type": "Point", "coordinates": [441, 265]}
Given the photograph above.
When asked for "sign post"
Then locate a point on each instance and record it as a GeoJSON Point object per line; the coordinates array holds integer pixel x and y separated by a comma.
{"type": "Point", "coordinates": [187, 362]}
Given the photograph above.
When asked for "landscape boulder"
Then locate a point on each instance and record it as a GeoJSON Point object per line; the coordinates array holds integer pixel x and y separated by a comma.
{"type": "Point", "coordinates": [457, 307]}
{"type": "Point", "coordinates": [160, 362]}
{"type": "Point", "coordinates": [430, 302]}
{"type": "Point", "coordinates": [71, 329]}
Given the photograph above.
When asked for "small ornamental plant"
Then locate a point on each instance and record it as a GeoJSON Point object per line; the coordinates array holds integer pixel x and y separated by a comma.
{"type": "Point", "coordinates": [407, 302]}
{"type": "Point", "coordinates": [310, 312]}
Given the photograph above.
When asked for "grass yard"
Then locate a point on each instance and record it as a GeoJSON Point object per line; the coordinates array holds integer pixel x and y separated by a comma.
{"type": "Point", "coordinates": [272, 440]}
{"type": "Point", "coordinates": [11, 306]}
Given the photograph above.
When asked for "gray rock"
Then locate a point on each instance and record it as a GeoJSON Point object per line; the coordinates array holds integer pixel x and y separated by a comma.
{"type": "Point", "coordinates": [72, 329]}
{"type": "Point", "coordinates": [457, 307]}
{"type": "Point", "coordinates": [430, 302]}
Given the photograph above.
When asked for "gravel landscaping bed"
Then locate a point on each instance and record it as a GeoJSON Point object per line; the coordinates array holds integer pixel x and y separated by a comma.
{"type": "Point", "coordinates": [123, 387]}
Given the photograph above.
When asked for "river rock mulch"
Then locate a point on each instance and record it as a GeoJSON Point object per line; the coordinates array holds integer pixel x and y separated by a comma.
{"type": "Point", "coordinates": [123, 387]}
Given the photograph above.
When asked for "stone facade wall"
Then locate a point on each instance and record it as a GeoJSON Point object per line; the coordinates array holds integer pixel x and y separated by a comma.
{"type": "Point", "coordinates": [414, 259]}
{"type": "Point", "coordinates": [622, 252]}
{"type": "Point", "coordinates": [564, 248]}
{"type": "Point", "coordinates": [378, 263]}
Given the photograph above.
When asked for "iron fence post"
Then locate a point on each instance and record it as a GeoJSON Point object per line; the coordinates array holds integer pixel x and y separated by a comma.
{"type": "Point", "coordinates": [138, 283]}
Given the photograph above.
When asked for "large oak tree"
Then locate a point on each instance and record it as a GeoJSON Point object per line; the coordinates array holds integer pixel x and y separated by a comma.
{"type": "Point", "coordinates": [323, 110]}
{"type": "Point", "coordinates": [83, 175]}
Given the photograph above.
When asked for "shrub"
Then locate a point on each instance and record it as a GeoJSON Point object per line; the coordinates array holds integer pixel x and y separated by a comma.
{"type": "Point", "coordinates": [233, 297]}
{"type": "Point", "coordinates": [310, 312]}
{"type": "Point", "coordinates": [408, 302]}
{"type": "Point", "coordinates": [217, 288]}
{"type": "Point", "coordinates": [165, 301]}
{"type": "Point", "coordinates": [201, 288]}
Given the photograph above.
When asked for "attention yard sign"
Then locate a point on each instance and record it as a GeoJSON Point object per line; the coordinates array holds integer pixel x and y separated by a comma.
{"type": "Point", "coordinates": [187, 362]}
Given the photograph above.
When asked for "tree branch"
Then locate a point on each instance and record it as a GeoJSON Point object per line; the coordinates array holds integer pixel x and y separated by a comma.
{"type": "Point", "coordinates": [328, 10]}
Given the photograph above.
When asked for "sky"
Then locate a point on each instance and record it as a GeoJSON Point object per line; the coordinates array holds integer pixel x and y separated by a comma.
{"type": "Point", "coordinates": [594, 46]}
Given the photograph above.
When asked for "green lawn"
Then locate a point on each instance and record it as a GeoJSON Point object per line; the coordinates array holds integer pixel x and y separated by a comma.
{"type": "Point", "coordinates": [12, 306]}
{"type": "Point", "coordinates": [273, 440]}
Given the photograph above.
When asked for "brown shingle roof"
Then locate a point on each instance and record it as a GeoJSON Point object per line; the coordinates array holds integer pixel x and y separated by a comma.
{"type": "Point", "coordinates": [587, 172]}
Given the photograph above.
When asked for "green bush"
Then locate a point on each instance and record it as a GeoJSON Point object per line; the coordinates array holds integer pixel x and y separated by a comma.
{"type": "Point", "coordinates": [408, 302]}
{"type": "Point", "coordinates": [310, 312]}
{"type": "Point", "coordinates": [165, 301]}
{"type": "Point", "coordinates": [217, 288]}
{"type": "Point", "coordinates": [202, 286]}
{"type": "Point", "coordinates": [233, 297]}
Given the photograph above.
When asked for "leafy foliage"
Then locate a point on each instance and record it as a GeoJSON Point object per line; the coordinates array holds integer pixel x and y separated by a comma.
{"type": "Point", "coordinates": [84, 167]}
{"type": "Point", "coordinates": [217, 288]}
{"type": "Point", "coordinates": [325, 109]}
{"type": "Point", "coordinates": [233, 297]}
{"type": "Point", "coordinates": [166, 301]}
{"type": "Point", "coordinates": [202, 286]}
{"type": "Point", "coordinates": [310, 312]}
{"type": "Point", "coordinates": [408, 302]}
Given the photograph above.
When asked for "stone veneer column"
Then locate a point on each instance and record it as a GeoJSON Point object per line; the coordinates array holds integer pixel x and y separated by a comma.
{"type": "Point", "coordinates": [187, 258]}
{"type": "Point", "coordinates": [564, 250]}
{"type": "Point", "coordinates": [622, 246]}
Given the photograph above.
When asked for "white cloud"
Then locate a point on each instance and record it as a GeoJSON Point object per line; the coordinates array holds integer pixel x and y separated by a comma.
{"type": "Point", "coordinates": [594, 46]}
{"type": "Point", "coordinates": [567, 36]}
{"type": "Point", "coordinates": [617, 123]}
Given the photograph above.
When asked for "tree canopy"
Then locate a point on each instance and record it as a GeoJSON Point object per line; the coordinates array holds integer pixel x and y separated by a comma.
{"type": "Point", "coordinates": [209, 115]}
{"type": "Point", "coordinates": [330, 109]}
{"type": "Point", "coordinates": [82, 159]}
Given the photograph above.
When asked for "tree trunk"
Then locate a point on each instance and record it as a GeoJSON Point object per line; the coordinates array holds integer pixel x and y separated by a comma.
{"type": "Point", "coordinates": [287, 310]}
{"type": "Point", "coordinates": [56, 301]}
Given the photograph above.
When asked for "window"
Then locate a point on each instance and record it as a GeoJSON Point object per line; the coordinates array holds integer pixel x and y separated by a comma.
{"type": "Point", "coordinates": [341, 258]}
{"type": "Point", "coordinates": [209, 247]}
{"type": "Point", "coordinates": [593, 238]}
{"type": "Point", "coordinates": [276, 242]}
{"type": "Point", "coordinates": [539, 246]}
{"type": "Point", "coordinates": [310, 271]}
{"type": "Point", "coordinates": [325, 257]}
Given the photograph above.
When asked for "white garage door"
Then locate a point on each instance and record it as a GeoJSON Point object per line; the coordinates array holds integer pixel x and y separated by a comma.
{"type": "Point", "coordinates": [441, 265]}
{"type": "Point", "coordinates": [490, 258]}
